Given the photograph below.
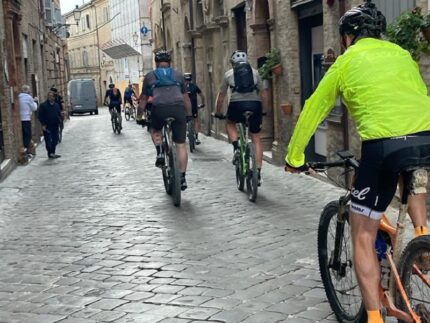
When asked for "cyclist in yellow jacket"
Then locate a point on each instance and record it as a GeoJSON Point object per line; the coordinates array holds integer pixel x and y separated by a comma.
{"type": "Point", "coordinates": [383, 90]}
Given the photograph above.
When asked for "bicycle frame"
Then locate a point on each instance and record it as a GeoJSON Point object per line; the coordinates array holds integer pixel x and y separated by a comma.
{"type": "Point", "coordinates": [243, 141]}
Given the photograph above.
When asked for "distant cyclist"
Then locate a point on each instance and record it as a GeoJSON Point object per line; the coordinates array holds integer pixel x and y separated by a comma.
{"type": "Point", "coordinates": [193, 90]}
{"type": "Point", "coordinates": [115, 99]}
{"type": "Point", "coordinates": [247, 94]}
{"type": "Point", "coordinates": [382, 87]}
{"type": "Point", "coordinates": [166, 88]}
{"type": "Point", "coordinates": [128, 95]}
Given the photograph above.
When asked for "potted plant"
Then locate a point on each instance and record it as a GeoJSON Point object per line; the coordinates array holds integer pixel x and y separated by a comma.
{"type": "Point", "coordinates": [272, 64]}
{"type": "Point", "coordinates": [408, 31]}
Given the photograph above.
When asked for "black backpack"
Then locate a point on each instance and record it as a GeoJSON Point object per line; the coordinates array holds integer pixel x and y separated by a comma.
{"type": "Point", "coordinates": [243, 78]}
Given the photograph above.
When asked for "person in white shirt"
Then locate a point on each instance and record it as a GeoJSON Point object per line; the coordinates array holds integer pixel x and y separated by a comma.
{"type": "Point", "coordinates": [27, 105]}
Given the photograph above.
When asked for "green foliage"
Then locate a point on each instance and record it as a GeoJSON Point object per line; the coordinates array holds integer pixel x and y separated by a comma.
{"type": "Point", "coordinates": [406, 31]}
{"type": "Point", "coordinates": [273, 58]}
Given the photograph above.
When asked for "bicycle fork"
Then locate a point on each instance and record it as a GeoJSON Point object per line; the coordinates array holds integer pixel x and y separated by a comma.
{"type": "Point", "coordinates": [335, 259]}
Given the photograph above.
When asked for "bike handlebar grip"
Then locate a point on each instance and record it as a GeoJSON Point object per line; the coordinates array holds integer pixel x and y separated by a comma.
{"type": "Point", "coordinates": [323, 165]}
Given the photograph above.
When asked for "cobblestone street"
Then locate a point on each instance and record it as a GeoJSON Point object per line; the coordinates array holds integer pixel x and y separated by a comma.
{"type": "Point", "coordinates": [93, 237]}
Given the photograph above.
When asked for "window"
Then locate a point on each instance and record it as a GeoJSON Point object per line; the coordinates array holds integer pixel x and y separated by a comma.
{"type": "Point", "coordinates": [85, 61]}
{"type": "Point", "coordinates": [88, 21]}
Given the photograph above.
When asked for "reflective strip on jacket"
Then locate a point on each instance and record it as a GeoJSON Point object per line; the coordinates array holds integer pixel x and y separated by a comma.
{"type": "Point", "coordinates": [382, 88]}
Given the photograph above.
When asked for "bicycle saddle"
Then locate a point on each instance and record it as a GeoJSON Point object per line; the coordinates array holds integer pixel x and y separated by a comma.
{"type": "Point", "coordinates": [247, 114]}
{"type": "Point", "coordinates": [169, 120]}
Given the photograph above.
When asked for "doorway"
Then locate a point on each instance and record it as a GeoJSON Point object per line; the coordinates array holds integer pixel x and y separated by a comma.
{"type": "Point", "coordinates": [311, 51]}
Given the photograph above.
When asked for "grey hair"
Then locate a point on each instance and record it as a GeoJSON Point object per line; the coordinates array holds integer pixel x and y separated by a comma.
{"type": "Point", "coordinates": [25, 88]}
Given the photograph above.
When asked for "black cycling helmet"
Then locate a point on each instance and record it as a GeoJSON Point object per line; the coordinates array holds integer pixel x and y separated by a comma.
{"type": "Point", "coordinates": [111, 86]}
{"type": "Point", "coordinates": [162, 56]}
{"type": "Point", "coordinates": [188, 76]}
{"type": "Point", "coordinates": [53, 89]}
{"type": "Point", "coordinates": [363, 20]}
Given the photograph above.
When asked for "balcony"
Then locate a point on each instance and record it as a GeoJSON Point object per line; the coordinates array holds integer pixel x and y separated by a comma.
{"type": "Point", "coordinates": [296, 3]}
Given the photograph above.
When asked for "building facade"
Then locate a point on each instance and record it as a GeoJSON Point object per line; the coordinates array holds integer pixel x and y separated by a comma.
{"type": "Point", "coordinates": [131, 41]}
{"type": "Point", "coordinates": [33, 53]}
{"type": "Point", "coordinates": [86, 58]}
{"type": "Point", "coordinates": [202, 34]}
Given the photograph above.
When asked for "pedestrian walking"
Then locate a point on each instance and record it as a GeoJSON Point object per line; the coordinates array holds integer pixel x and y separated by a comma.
{"type": "Point", "coordinates": [50, 118]}
{"type": "Point", "coordinates": [27, 105]}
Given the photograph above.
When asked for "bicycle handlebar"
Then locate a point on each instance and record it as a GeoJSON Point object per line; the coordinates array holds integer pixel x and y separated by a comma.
{"type": "Point", "coordinates": [322, 166]}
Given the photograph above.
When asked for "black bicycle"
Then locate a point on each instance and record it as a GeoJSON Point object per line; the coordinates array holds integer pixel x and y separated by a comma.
{"type": "Point", "coordinates": [246, 161]}
{"type": "Point", "coordinates": [60, 128]}
{"type": "Point", "coordinates": [170, 169]}
{"type": "Point", "coordinates": [191, 134]}
{"type": "Point", "coordinates": [129, 111]}
{"type": "Point", "coordinates": [116, 126]}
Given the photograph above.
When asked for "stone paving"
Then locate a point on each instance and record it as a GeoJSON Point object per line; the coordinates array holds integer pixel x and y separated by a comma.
{"type": "Point", "coordinates": [93, 237]}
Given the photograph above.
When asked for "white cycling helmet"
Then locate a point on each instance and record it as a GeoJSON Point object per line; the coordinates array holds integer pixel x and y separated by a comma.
{"type": "Point", "coordinates": [238, 57]}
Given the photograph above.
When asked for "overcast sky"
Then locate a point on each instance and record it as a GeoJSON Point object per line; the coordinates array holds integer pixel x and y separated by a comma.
{"type": "Point", "coordinates": [69, 5]}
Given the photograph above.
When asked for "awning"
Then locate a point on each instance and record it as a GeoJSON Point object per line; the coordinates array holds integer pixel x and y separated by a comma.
{"type": "Point", "coordinates": [117, 49]}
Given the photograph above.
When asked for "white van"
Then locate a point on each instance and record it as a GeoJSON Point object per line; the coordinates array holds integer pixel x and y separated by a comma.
{"type": "Point", "coordinates": [82, 96]}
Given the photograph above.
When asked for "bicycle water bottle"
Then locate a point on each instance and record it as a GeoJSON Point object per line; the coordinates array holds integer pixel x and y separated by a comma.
{"type": "Point", "coordinates": [381, 249]}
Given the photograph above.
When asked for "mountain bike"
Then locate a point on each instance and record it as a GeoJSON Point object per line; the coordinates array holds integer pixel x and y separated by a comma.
{"type": "Point", "coordinates": [191, 135]}
{"type": "Point", "coordinates": [116, 127]}
{"type": "Point", "coordinates": [129, 111]}
{"type": "Point", "coordinates": [405, 280]}
{"type": "Point", "coordinates": [170, 170]}
{"type": "Point", "coordinates": [245, 161]}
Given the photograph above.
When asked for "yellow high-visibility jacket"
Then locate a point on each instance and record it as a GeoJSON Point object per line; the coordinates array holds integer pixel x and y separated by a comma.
{"type": "Point", "coordinates": [382, 88]}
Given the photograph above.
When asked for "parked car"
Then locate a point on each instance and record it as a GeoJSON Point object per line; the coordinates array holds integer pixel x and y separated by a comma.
{"type": "Point", "coordinates": [82, 96]}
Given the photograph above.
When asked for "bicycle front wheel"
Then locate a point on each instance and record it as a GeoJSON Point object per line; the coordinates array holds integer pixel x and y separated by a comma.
{"type": "Point", "coordinates": [252, 173]}
{"type": "Point", "coordinates": [414, 270]}
{"type": "Point", "coordinates": [60, 133]}
{"type": "Point", "coordinates": [175, 178]}
{"type": "Point", "coordinates": [337, 272]}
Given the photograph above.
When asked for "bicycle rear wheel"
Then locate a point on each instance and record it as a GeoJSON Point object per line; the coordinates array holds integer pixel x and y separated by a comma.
{"type": "Point", "coordinates": [337, 275]}
{"type": "Point", "coordinates": [175, 178]}
{"type": "Point", "coordinates": [252, 173]}
{"type": "Point", "coordinates": [133, 113]}
{"type": "Point", "coordinates": [60, 132]}
{"type": "Point", "coordinates": [240, 178]}
{"type": "Point", "coordinates": [166, 173]}
{"type": "Point", "coordinates": [127, 113]}
{"type": "Point", "coordinates": [191, 137]}
{"type": "Point", "coordinates": [414, 271]}
{"type": "Point", "coordinates": [113, 124]}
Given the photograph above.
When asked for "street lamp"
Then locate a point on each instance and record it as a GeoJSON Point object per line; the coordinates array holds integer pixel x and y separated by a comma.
{"type": "Point", "coordinates": [77, 14]}
{"type": "Point", "coordinates": [135, 38]}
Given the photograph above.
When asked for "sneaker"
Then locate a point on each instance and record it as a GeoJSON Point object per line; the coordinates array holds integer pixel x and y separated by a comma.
{"type": "Point", "coordinates": [51, 156]}
{"type": "Point", "coordinates": [198, 141]}
{"type": "Point", "coordinates": [57, 156]}
{"type": "Point", "coordinates": [184, 184]}
{"type": "Point", "coordinates": [159, 162]}
{"type": "Point", "coordinates": [236, 156]}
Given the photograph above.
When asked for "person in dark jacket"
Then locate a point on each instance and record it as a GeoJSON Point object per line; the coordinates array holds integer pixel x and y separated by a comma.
{"type": "Point", "coordinates": [50, 118]}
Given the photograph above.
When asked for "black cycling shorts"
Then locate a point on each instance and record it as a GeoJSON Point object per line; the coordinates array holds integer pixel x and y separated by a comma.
{"type": "Point", "coordinates": [236, 109]}
{"type": "Point", "coordinates": [382, 161]}
{"type": "Point", "coordinates": [179, 126]}
{"type": "Point", "coordinates": [117, 106]}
